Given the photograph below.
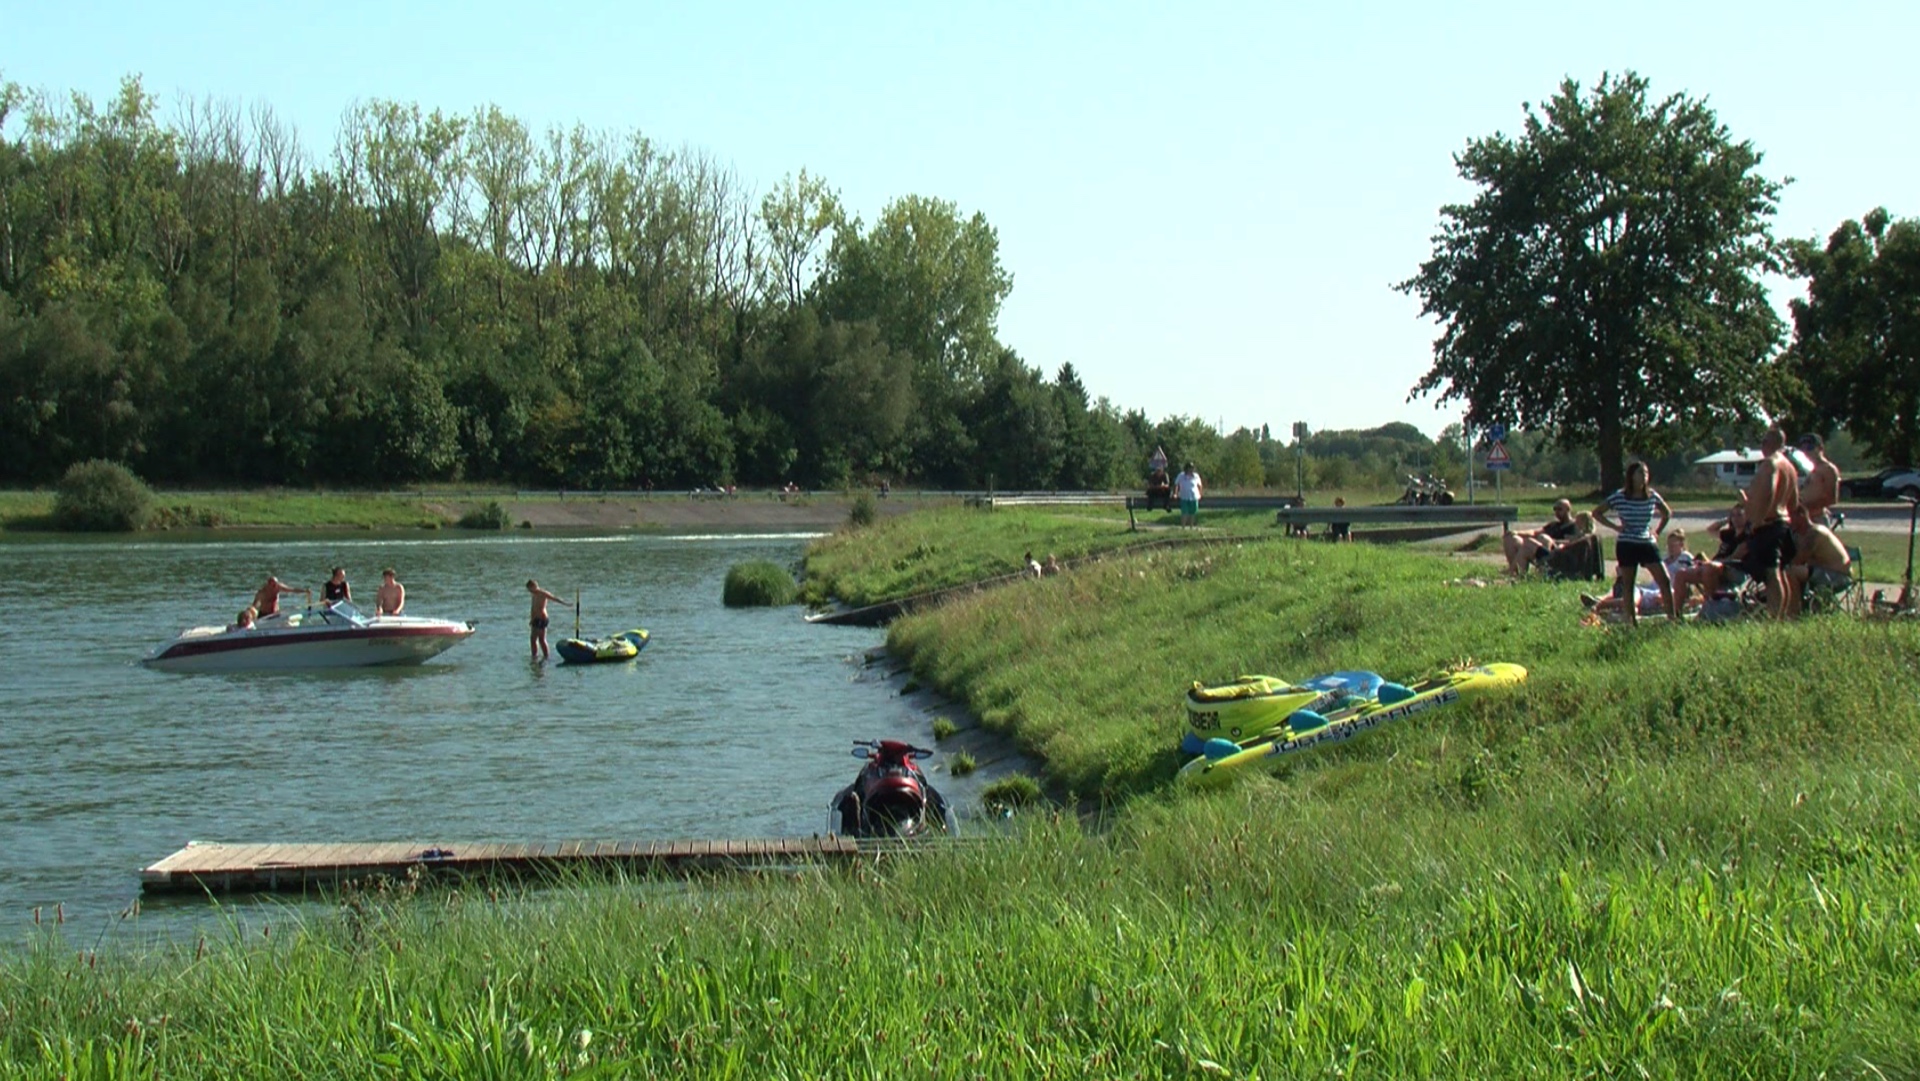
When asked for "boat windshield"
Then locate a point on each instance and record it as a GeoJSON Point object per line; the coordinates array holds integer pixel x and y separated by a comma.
{"type": "Point", "coordinates": [340, 612]}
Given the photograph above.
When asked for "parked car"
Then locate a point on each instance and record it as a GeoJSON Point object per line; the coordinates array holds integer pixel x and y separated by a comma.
{"type": "Point", "coordinates": [1887, 484]}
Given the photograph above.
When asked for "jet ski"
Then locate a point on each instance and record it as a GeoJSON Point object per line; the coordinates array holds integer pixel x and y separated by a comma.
{"type": "Point", "coordinates": [891, 797]}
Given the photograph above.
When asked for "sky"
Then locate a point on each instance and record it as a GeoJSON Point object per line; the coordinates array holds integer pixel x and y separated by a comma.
{"type": "Point", "coordinates": [1204, 207]}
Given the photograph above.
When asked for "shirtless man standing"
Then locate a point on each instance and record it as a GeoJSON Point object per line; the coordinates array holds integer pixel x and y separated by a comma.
{"type": "Point", "coordinates": [1822, 489]}
{"type": "Point", "coordinates": [266, 602]}
{"type": "Point", "coordinates": [1771, 497]}
{"type": "Point", "coordinates": [537, 620]}
{"type": "Point", "coordinates": [391, 597]}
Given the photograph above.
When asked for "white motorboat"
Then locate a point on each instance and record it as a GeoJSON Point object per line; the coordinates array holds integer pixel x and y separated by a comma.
{"type": "Point", "coordinates": [336, 635]}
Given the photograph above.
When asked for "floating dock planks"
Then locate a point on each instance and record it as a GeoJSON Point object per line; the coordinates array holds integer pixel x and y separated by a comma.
{"type": "Point", "coordinates": [204, 867]}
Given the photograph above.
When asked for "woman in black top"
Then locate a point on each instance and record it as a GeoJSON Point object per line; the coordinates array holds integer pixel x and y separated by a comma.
{"type": "Point", "coordinates": [336, 587]}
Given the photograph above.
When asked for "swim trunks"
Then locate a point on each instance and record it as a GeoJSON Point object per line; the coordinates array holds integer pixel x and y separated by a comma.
{"type": "Point", "coordinates": [537, 624]}
{"type": "Point", "coordinates": [1769, 546]}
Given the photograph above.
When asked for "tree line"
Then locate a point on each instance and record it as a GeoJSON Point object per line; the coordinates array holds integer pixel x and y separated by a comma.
{"type": "Point", "coordinates": [462, 297]}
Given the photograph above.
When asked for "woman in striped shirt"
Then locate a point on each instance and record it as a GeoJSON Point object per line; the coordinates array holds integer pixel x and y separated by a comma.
{"type": "Point", "coordinates": [1635, 505]}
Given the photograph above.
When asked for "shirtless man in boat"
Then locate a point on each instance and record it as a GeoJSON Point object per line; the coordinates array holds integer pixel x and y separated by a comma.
{"type": "Point", "coordinates": [537, 620]}
{"type": "Point", "coordinates": [1771, 498]}
{"type": "Point", "coordinates": [266, 602]}
{"type": "Point", "coordinates": [391, 596]}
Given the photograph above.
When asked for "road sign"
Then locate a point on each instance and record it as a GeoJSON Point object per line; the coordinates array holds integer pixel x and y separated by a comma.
{"type": "Point", "coordinates": [1497, 457]}
{"type": "Point", "coordinates": [1496, 433]}
{"type": "Point", "coordinates": [1299, 429]}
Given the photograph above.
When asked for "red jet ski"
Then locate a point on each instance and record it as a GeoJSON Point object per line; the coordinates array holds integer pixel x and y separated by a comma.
{"type": "Point", "coordinates": [891, 796]}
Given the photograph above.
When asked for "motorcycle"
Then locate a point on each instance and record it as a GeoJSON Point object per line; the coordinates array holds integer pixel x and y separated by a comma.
{"type": "Point", "coordinates": [1426, 491]}
{"type": "Point", "coordinates": [891, 797]}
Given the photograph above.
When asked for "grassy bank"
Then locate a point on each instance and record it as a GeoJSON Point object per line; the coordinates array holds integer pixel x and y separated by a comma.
{"type": "Point", "coordinates": [27, 512]}
{"type": "Point", "coordinates": [1649, 860]}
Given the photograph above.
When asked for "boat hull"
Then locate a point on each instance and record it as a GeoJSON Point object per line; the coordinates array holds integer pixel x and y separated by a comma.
{"type": "Point", "coordinates": [370, 646]}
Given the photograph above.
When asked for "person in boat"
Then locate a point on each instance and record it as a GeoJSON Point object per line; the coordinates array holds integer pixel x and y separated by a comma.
{"type": "Point", "coordinates": [244, 621]}
{"type": "Point", "coordinates": [391, 597]}
{"type": "Point", "coordinates": [537, 620]}
{"type": "Point", "coordinates": [335, 588]}
{"type": "Point", "coordinates": [266, 602]}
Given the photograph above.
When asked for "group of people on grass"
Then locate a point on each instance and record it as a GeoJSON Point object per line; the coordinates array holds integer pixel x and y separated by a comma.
{"type": "Point", "coordinates": [1777, 535]}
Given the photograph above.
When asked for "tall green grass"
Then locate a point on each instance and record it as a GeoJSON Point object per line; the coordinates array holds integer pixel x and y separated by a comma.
{"type": "Point", "coordinates": [1678, 851]}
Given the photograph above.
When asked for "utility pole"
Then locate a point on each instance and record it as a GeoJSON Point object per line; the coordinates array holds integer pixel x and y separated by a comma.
{"type": "Point", "coordinates": [1300, 461]}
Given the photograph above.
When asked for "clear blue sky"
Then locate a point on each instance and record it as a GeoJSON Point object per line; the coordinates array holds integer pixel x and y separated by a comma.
{"type": "Point", "coordinates": [1203, 206]}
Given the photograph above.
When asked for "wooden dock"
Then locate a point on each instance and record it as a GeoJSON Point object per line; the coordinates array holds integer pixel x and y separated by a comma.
{"type": "Point", "coordinates": [204, 867]}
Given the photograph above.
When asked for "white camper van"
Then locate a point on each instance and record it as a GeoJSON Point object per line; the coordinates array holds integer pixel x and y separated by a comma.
{"type": "Point", "coordinates": [1734, 468]}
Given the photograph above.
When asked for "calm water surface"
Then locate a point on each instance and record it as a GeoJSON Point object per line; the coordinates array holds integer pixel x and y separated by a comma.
{"type": "Point", "coordinates": [732, 723]}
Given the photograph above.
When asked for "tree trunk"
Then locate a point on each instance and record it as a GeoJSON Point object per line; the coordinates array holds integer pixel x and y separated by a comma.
{"type": "Point", "coordinates": [1613, 466]}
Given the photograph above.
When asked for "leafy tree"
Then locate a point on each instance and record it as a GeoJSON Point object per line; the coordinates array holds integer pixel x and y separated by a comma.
{"type": "Point", "coordinates": [1856, 336]}
{"type": "Point", "coordinates": [1602, 284]}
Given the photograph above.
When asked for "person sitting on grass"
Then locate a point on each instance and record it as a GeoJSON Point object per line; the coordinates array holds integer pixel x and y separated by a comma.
{"type": "Point", "coordinates": [1636, 504]}
{"type": "Point", "coordinates": [1820, 561]}
{"type": "Point", "coordinates": [1722, 571]}
{"type": "Point", "coordinates": [1523, 546]}
{"type": "Point", "coordinates": [1648, 597]}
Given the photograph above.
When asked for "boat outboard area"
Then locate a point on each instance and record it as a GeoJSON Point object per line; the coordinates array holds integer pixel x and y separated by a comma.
{"type": "Point", "coordinates": [334, 635]}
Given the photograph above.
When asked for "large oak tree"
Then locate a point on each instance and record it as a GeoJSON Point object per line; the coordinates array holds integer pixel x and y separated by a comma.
{"type": "Point", "coordinates": [1602, 283]}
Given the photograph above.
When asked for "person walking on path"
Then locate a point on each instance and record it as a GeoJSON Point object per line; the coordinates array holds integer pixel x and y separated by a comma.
{"type": "Point", "coordinates": [537, 620]}
{"type": "Point", "coordinates": [1636, 504]}
{"type": "Point", "coordinates": [1188, 487]}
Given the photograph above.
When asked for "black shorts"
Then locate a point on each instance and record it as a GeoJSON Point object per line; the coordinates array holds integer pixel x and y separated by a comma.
{"type": "Point", "coordinates": [537, 624]}
{"type": "Point", "coordinates": [1636, 553]}
{"type": "Point", "coordinates": [1768, 547]}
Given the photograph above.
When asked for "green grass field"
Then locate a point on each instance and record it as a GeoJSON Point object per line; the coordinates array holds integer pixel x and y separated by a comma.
{"type": "Point", "coordinates": [1679, 851]}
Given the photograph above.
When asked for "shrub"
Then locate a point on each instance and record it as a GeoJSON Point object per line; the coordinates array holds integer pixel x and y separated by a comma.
{"type": "Point", "coordinates": [961, 764]}
{"type": "Point", "coordinates": [864, 511]}
{"type": "Point", "coordinates": [1018, 790]}
{"type": "Point", "coordinates": [101, 497]}
{"type": "Point", "coordinates": [758, 583]}
{"type": "Point", "coordinates": [490, 516]}
{"type": "Point", "coordinates": [942, 729]}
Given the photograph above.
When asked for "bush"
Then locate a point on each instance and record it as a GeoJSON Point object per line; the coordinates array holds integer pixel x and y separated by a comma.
{"type": "Point", "coordinates": [101, 497]}
{"type": "Point", "coordinates": [864, 511]}
{"type": "Point", "coordinates": [1018, 790]}
{"type": "Point", "coordinates": [759, 583]}
{"type": "Point", "coordinates": [490, 516]}
{"type": "Point", "coordinates": [942, 728]}
{"type": "Point", "coordinates": [961, 764]}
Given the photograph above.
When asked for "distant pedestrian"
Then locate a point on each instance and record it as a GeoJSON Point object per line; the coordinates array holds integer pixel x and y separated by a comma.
{"type": "Point", "coordinates": [1189, 487]}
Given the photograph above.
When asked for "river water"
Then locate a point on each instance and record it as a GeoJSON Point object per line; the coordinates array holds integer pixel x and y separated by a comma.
{"type": "Point", "coordinates": [732, 723]}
